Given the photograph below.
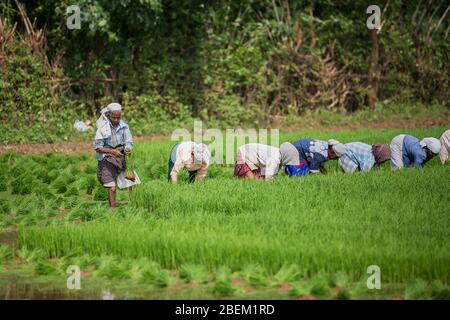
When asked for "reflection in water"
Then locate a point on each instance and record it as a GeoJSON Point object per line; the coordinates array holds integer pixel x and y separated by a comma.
{"type": "Point", "coordinates": [107, 295]}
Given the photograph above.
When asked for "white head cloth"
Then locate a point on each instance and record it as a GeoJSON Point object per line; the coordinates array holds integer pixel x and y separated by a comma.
{"type": "Point", "coordinates": [103, 124]}
{"type": "Point", "coordinates": [338, 148]}
{"type": "Point", "coordinates": [431, 143]}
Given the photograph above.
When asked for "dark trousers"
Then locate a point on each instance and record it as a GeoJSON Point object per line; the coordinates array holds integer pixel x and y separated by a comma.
{"type": "Point", "coordinates": [171, 163]}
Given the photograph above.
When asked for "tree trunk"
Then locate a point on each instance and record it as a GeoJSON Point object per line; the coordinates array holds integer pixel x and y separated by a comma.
{"type": "Point", "coordinates": [374, 72]}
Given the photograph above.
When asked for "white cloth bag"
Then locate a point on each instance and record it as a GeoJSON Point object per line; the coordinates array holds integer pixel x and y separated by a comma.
{"type": "Point", "coordinates": [123, 183]}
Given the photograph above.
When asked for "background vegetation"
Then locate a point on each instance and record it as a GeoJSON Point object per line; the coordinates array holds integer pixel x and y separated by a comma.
{"type": "Point", "coordinates": [227, 62]}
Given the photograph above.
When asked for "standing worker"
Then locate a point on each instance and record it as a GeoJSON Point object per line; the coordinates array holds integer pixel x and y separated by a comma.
{"type": "Point", "coordinates": [113, 140]}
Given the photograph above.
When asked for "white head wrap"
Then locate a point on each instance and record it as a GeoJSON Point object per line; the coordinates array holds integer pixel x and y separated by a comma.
{"type": "Point", "coordinates": [103, 124]}
{"type": "Point", "coordinates": [431, 143]}
{"type": "Point", "coordinates": [338, 148]}
{"type": "Point", "coordinates": [445, 146]}
{"type": "Point", "coordinates": [201, 153]}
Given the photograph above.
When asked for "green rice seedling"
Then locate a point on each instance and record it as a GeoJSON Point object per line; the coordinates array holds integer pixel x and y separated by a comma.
{"type": "Point", "coordinates": [60, 185]}
{"type": "Point", "coordinates": [163, 278]}
{"type": "Point", "coordinates": [31, 256]}
{"type": "Point", "coordinates": [83, 261]}
{"type": "Point", "coordinates": [91, 168]}
{"type": "Point", "coordinates": [3, 183]}
{"type": "Point", "coordinates": [101, 194]}
{"type": "Point", "coordinates": [27, 220]}
{"type": "Point", "coordinates": [339, 280]}
{"type": "Point", "coordinates": [62, 182]}
{"type": "Point", "coordinates": [5, 254]}
{"type": "Point", "coordinates": [440, 291]}
{"type": "Point", "coordinates": [71, 202]}
{"type": "Point", "coordinates": [143, 270]}
{"type": "Point", "coordinates": [44, 267]}
{"type": "Point", "coordinates": [74, 169]}
{"type": "Point", "coordinates": [417, 289]}
{"type": "Point", "coordinates": [343, 294]}
{"type": "Point", "coordinates": [287, 273]}
{"type": "Point", "coordinates": [300, 288]}
{"type": "Point", "coordinates": [26, 208]}
{"type": "Point", "coordinates": [21, 185]}
{"type": "Point", "coordinates": [193, 273]}
{"type": "Point", "coordinates": [222, 283]}
{"type": "Point", "coordinates": [151, 274]}
{"type": "Point", "coordinates": [112, 268]}
{"type": "Point", "coordinates": [80, 213]}
{"type": "Point", "coordinates": [90, 186]}
{"type": "Point", "coordinates": [5, 207]}
{"type": "Point", "coordinates": [40, 188]}
{"type": "Point", "coordinates": [51, 176]}
{"type": "Point", "coordinates": [320, 286]}
{"type": "Point", "coordinates": [71, 191]}
{"type": "Point", "coordinates": [255, 275]}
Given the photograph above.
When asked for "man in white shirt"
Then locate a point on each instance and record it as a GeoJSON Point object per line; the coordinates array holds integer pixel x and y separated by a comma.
{"type": "Point", "coordinates": [190, 156]}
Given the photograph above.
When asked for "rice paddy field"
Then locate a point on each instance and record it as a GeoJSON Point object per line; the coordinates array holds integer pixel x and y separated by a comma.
{"type": "Point", "coordinates": [290, 238]}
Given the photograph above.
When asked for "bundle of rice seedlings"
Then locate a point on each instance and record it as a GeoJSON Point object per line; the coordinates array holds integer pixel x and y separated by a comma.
{"type": "Point", "coordinates": [320, 286]}
{"type": "Point", "coordinates": [72, 190]}
{"type": "Point", "coordinates": [71, 202]}
{"type": "Point", "coordinates": [41, 188]}
{"type": "Point", "coordinates": [51, 176]}
{"type": "Point", "coordinates": [163, 279]}
{"type": "Point", "coordinates": [193, 273]}
{"type": "Point", "coordinates": [5, 207]}
{"type": "Point", "coordinates": [300, 288]}
{"type": "Point", "coordinates": [21, 185]}
{"type": "Point", "coordinates": [31, 256]}
{"type": "Point", "coordinates": [153, 274]}
{"type": "Point", "coordinates": [141, 266]}
{"type": "Point", "coordinates": [417, 289]}
{"type": "Point", "coordinates": [63, 181]}
{"type": "Point", "coordinates": [254, 275]}
{"type": "Point", "coordinates": [74, 169]}
{"type": "Point", "coordinates": [60, 185]}
{"type": "Point", "coordinates": [287, 273]}
{"type": "Point", "coordinates": [5, 254]}
{"type": "Point", "coordinates": [44, 267]}
{"type": "Point", "coordinates": [343, 294]}
{"type": "Point", "coordinates": [3, 183]}
{"type": "Point", "coordinates": [80, 213]}
{"type": "Point", "coordinates": [339, 280]}
{"type": "Point", "coordinates": [25, 208]}
{"type": "Point", "coordinates": [101, 194]}
{"type": "Point", "coordinates": [90, 185]}
{"type": "Point", "coordinates": [439, 291]}
{"type": "Point", "coordinates": [27, 220]}
{"type": "Point", "coordinates": [83, 261]}
{"type": "Point", "coordinates": [222, 283]}
{"type": "Point", "coordinates": [111, 268]}
{"type": "Point", "coordinates": [91, 168]}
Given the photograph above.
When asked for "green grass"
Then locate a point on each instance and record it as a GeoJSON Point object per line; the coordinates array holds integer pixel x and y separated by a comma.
{"type": "Point", "coordinates": [318, 233]}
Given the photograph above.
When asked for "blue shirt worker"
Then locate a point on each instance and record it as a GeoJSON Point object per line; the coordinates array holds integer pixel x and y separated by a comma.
{"type": "Point", "coordinates": [313, 155]}
{"type": "Point", "coordinates": [408, 151]}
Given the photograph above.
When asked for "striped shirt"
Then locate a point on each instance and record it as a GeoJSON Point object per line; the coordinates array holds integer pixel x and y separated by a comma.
{"type": "Point", "coordinates": [358, 156]}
